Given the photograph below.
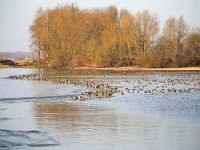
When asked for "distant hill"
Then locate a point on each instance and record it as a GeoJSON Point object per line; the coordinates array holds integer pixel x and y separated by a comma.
{"type": "Point", "coordinates": [17, 55]}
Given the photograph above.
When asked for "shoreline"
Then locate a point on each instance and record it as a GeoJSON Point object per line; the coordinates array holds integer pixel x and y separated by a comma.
{"type": "Point", "coordinates": [131, 68]}
{"type": "Point", "coordinates": [6, 66]}
{"type": "Point", "coordinates": [137, 69]}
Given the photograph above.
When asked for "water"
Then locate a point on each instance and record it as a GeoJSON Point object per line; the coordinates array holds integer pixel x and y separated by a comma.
{"type": "Point", "coordinates": [39, 115]}
{"type": "Point", "coordinates": [20, 89]}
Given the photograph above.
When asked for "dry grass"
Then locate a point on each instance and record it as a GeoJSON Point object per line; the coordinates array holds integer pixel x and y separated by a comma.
{"type": "Point", "coordinates": [143, 68]}
{"type": "Point", "coordinates": [158, 69]}
{"type": "Point", "coordinates": [5, 66]}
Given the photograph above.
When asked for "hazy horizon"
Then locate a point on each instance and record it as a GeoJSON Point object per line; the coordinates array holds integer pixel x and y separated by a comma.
{"type": "Point", "coordinates": [17, 16]}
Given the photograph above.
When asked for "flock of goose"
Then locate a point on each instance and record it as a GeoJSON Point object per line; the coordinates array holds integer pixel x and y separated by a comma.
{"type": "Point", "coordinates": [162, 86]}
{"type": "Point", "coordinates": [182, 83]}
{"type": "Point", "coordinates": [101, 90]}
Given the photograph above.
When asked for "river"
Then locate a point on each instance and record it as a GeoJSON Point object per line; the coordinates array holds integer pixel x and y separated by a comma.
{"type": "Point", "coordinates": [39, 115]}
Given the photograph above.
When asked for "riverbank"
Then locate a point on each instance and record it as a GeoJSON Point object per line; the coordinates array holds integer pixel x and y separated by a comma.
{"type": "Point", "coordinates": [130, 68]}
{"type": "Point", "coordinates": [140, 68]}
{"type": "Point", "coordinates": [7, 66]}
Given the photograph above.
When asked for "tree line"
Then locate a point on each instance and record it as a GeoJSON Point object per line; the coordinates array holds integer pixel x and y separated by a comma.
{"type": "Point", "coordinates": [106, 37]}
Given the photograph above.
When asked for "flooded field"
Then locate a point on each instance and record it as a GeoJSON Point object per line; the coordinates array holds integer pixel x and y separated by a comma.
{"type": "Point", "coordinates": [147, 110]}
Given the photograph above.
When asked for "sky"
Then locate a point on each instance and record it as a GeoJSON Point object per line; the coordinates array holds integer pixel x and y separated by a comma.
{"type": "Point", "coordinates": [16, 16]}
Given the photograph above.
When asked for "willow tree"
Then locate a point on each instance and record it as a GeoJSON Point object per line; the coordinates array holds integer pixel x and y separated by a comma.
{"type": "Point", "coordinates": [175, 32]}
{"type": "Point", "coordinates": [109, 37]}
{"type": "Point", "coordinates": [39, 31]}
{"type": "Point", "coordinates": [144, 30]}
{"type": "Point", "coordinates": [126, 40]}
{"type": "Point", "coordinates": [192, 49]}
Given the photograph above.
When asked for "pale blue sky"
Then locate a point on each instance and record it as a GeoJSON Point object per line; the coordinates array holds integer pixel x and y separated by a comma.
{"type": "Point", "coordinates": [17, 15]}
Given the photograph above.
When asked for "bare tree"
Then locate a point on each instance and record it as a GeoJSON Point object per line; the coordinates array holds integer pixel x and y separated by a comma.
{"type": "Point", "coordinates": [192, 49]}
{"type": "Point", "coordinates": [144, 30]}
{"type": "Point", "coordinates": [69, 36]}
{"type": "Point", "coordinates": [175, 32]}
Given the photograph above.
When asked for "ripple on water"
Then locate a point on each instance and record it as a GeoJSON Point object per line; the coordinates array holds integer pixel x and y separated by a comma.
{"type": "Point", "coordinates": [11, 139]}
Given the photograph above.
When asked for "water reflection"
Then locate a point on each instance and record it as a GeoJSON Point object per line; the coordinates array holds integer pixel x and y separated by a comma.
{"type": "Point", "coordinates": [79, 125]}
{"type": "Point", "coordinates": [75, 117]}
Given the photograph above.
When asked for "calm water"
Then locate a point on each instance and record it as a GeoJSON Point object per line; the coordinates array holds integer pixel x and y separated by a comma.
{"type": "Point", "coordinates": [39, 116]}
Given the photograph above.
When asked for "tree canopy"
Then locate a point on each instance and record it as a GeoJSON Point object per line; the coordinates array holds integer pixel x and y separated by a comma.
{"type": "Point", "coordinates": [69, 36]}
